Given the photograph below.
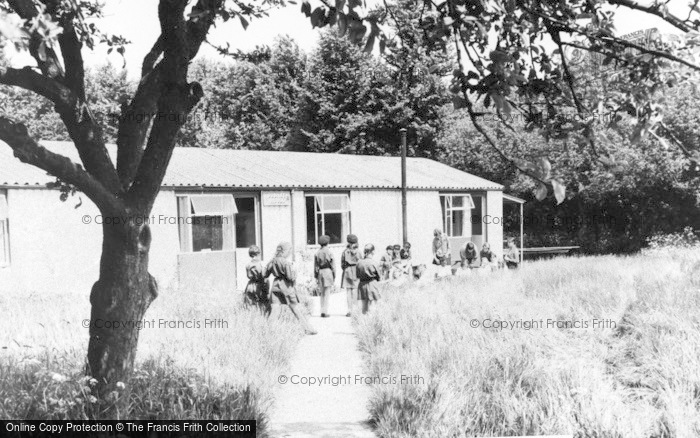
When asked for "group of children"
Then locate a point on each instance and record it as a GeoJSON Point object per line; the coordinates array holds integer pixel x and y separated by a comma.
{"type": "Point", "coordinates": [396, 262]}
{"type": "Point", "coordinates": [360, 278]}
{"type": "Point", "coordinates": [270, 298]}
{"type": "Point", "coordinates": [361, 274]}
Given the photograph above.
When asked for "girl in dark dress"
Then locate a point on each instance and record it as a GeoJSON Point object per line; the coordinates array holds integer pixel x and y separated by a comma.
{"type": "Point", "coordinates": [348, 263]}
{"type": "Point", "coordinates": [256, 291]}
{"type": "Point", "coordinates": [324, 271]}
{"type": "Point", "coordinates": [283, 290]}
{"type": "Point", "coordinates": [368, 273]}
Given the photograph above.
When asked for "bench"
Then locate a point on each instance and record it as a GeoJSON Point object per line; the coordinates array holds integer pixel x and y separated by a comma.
{"type": "Point", "coordinates": [548, 251]}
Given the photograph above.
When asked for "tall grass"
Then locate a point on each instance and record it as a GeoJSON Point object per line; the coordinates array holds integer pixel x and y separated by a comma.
{"type": "Point", "coordinates": [195, 373]}
{"type": "Point", "coordinates": [638, 377]}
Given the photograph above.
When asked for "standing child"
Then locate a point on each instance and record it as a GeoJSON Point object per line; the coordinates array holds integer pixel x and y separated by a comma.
{"type": "Point", "coordinates": [256, 291]}
{"type": "Point", "coordinates": [368, 273]}
{"type": "Point", "coordinates": [512, 256]}
{"type": "Point", "coordinates": [386, 262]}
{"type": "Point", "coordinates": [282, 290]}
{"type": "Point", "coordinates": [324, 270]}
{"type": "Point", "coordinates": [348, 263]}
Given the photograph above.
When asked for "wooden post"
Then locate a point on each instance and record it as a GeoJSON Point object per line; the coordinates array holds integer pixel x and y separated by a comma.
{"type": "Point", "coordinates": [404, 215]}
{"type": "Point", "coordinates": [521, 234]}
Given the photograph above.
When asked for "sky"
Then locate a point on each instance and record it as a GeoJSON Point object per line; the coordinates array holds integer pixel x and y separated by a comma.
{"type": "Point", "coordinates": [137, 21]}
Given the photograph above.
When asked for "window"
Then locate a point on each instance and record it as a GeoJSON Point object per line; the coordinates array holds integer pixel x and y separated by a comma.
{"type": "Point", "coordinates": [206, 222]}
{"type": "Point", "coordinates": [327, 214]}
{"type": "Point", "coordinates": [478, 216]}
{"type": "Point", "coordinates": [4, 231]}
{"type": "Point", "coordinates": [245, 222]}
{"type": "Point", "coordinates": [456, 215]}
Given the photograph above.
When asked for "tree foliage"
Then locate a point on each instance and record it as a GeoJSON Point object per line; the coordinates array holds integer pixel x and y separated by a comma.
{"type": "Point", "coordinates": [353, 102]}
{"type": "Point", "coordinates": [615, 204]}
{"type": "Point", "coordinates": [247, 105]}
{"type": "Point", "coordinates": [511, 56]}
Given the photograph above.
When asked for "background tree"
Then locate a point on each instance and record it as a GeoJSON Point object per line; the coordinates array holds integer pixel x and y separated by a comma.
{"type": "Point", "coordinates": [353, 102]}
{"type": "Point", "coordinates": [106, 87]}
{"type": "Point", "coordinates": [249, 103]}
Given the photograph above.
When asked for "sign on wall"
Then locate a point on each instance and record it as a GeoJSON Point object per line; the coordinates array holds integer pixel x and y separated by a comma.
{"type": "Point", "coordinates": [276, 199]}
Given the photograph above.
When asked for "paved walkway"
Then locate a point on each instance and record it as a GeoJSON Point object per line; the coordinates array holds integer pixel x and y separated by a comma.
{"type": "Point", "coordinates": [324, 410]}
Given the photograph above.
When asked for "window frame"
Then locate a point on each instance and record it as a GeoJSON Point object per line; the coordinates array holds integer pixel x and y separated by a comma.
{"type": "Point", "coordinates": [256, 218]}
{"type": "Point", "coordinates": [183, 222]}
{"type": "Point", "coordinates": [5, 230]}
{"type": "Point", "coordinates": [481, 196]}
{"type": "Point", "coordinates": [347, 212]}
{"type": "Point", "coordinates": [448, 209]}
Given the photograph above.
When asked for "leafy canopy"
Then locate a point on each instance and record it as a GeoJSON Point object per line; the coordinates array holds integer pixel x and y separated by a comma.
{"type": "Point", "coordinates": [511, 55]}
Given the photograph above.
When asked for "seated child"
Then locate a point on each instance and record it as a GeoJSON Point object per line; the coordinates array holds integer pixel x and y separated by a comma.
{"type": "Point", "coordinates": [406, 262]}
{"type": "Point", "coordinates": [418, 272]}
{"type": "Point", "coordinates": [488, 258]}
{"type": "Point", "coordinates": [396, 264]}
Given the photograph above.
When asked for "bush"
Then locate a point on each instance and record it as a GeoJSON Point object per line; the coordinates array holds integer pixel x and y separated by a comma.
{"type": "Point", "coordinates": [685, 239]}
{"type": "Point", "coordinates": [159, 390]}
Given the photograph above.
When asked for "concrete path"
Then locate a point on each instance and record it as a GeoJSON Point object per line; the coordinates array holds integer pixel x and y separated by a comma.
{"type": "Point", "coordinates": [316, 408]}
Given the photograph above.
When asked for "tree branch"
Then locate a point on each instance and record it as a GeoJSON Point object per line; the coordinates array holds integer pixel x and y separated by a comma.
{"type": "Point", "coordinates": [655, 10]}
{"type": "Point", "coordinates": [136, 118]}
{"type": "Point", "coordinates": [174, 106]}
{"type": "Point", "coordinates": [492, 143]}
{"type": "Point", "coordinates": [688, 154]}
{"type": "Point", "coordinates": [82, 127]}
{"type": "Point", "coordinates": [29, 151]}
{"type": "Point", "coordinates": [568, 77]}
{"type": "Point", "coordinates": [72, 58]}
{"type": "Point", "coordinates": [47, 61]}
{"type": "Point", "coordinates": [151, 57]}
{"type": "Point", "coordinates": [44, 86]}
{"type": "Point", "coordinates": [560, 26]}
{"type": "Point", "coordinates": [204, 12]}
{"type": "Point", "coordinates": [177, 98]}
{"type": "Point", "coordinates": [647, 51]}
{"type": "Point", "coordinates": [80, 123]}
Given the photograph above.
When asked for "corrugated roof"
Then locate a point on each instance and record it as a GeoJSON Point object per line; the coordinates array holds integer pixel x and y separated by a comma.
{"type": "Point", "coordinates": [199, 167]}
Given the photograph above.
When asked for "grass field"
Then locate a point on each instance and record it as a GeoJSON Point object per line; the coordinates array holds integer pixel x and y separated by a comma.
{"type": "Point", "coordinates": [635, 374]}
{"type": "Point", "coordinates": [181, 373]}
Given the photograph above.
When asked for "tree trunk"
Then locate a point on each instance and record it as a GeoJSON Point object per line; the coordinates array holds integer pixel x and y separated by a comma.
{"type": "Point", "coordinates": [119, 301]}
